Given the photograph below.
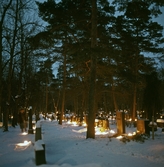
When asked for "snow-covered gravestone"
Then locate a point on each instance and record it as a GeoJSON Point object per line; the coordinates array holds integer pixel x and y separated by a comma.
{"type": "Point", "coordinates": [39, 148]}
{"type": "Point", "coordinates": [120, 118]}
{"type": "Point", "coordinates": [160, 123]}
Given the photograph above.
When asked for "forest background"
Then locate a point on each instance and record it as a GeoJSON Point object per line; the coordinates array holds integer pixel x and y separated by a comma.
{"type": "Point", "coordinates": [101, 51]}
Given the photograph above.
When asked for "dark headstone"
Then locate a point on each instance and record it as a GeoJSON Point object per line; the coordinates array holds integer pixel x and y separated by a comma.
{"type": "Point", "coordinates": [143, 126]}
{"type": "Point", "coordinates": [147, 128]}
{"type": "Point", "coordinates": [39, 148]}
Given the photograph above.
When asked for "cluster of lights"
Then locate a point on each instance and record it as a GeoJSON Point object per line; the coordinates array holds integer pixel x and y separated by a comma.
{"type": "Point", "coordinates": [129, 135]}
{"type": "Point", "coordinates": [98, 130]}
{"type": "Point", "coordinates": [74, 123]}
{"type": "Point", "coordinates": [34, 128]}
{"type": "Point", "coordinates": [140, 113]}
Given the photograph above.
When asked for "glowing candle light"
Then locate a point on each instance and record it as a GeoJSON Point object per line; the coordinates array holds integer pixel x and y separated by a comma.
{"type": "Point", "coordinates": [119, 137]}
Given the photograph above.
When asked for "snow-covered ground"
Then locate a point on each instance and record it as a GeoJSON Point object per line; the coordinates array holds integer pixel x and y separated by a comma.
{"type": "Point", "coordinates": [67, 146]}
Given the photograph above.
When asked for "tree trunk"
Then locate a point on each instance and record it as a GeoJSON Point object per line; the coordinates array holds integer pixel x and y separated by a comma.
{"type": "Point", "coordinates": [91, 107]}
{"type": "Point", "coordinates": [63, 90]}
{"type": "Point", "coordinates": [11, 67]}
{"type": "Point", "coordinates": [46, 107]}
{"type": "Point", "coordinates": [114, 98]}
{"type": "Point", "coordinates": [105, 102]}
{"type": "Point", "coordinates": [134, 103]}
{"type": "Point", "coordinates": [1, 72]}
{"type": "Point", "coordinates": [3, 14]}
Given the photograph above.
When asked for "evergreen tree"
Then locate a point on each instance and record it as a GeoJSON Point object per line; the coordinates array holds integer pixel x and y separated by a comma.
{"type": "Point", "coordinates": [137, 35]}
{"type": "Point", "coordinates": [74, 23]}
{"type": "Point", "coordinates": [152, 102]}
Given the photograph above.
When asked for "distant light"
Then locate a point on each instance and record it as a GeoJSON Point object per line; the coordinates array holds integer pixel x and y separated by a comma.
{"type": "Point", "coordinates": [34, 127]}
{"type": "Point", "coordinates": [69, 122]}
{"type": "Point", "coordinates": [119, 137]}
{"type": "Point", "coordinates": [84, 124]}
{"type": "Point", "coordinates": [24, 133]}
{"type": "Point", "coordinates": [130, 134]}
{"type": "Point", "coordinates": [96, 120]}
{"type": "Point", "coordinates": [74, 123]}
{"type": "Point", "coordinates": [112, 131]}
{"type": "Point", "coordinates": [100, 133]}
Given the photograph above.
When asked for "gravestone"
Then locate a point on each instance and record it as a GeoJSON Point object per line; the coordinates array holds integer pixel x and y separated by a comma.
{"type": "Point", "coordinates": [143, 126]}
{"type": "Point", "coordinates": [106, 124]}
{"type": "Point", "coordinates": [120, 117]}
{"type": "Point", "coordinates": [38, 133]}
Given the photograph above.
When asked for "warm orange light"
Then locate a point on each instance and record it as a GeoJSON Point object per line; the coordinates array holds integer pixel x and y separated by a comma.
{"type": "Point", "coordinates": [96, 120]}
{"type": "Point", "coordinates": [119, 137]}
{"type": "Point", "coordinates": [24, 144]}
{"type": "Point", "coordinates": [69, 122]}
{"type": "Point", "coordinates": [74, 123]}
{"type": "Point", "coordinates": [112, 131]}
{"type": "Point", "coordinates": [130, 134]}
{"type": "Point", "coordinates": [84, 124]}
{"type": "Point", "coordinates": [34, 127]}
{"type": "Point", "coordinates": [24, 133]}
{"type": "Point", "coordinates": [100, 133]}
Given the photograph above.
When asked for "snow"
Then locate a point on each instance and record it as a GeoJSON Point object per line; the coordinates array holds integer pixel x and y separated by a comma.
{"type": "Point", "coordinates": [66, 146]}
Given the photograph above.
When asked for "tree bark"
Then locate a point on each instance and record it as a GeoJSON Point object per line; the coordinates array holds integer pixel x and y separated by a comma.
{"type": "Point", "coordinates": [134, 102]}
{"type": "Point", "coordinates": [91, 105]}
{"type": "Point", "coordinates": [63, 90]}
{"type": "Point", "coordinates": [1, 46]}
{"type": "Point", "coordinates": [114, 97]}
{"type": "Point", "coordinates": [11, 68]}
